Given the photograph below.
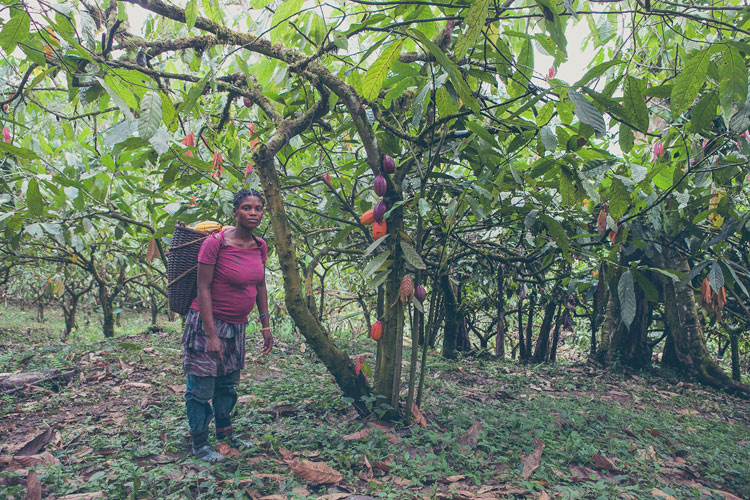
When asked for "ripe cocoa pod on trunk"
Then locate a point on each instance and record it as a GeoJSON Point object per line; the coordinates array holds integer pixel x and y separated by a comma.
{"type": "Point", "coordinates": [380, 210]}
{"type": "Point", "coordinates": [376, 332]}
{"type": "Point", "coordinates": [380, 185]}
{"type": "Point", "coordinates": [389, 164]}
{"type": "Point", "coordinates": [368, 217]}
{"type": "Point", "coordinates": [420, 293]}
{"type": "Point", "coordinates": [379, 229]}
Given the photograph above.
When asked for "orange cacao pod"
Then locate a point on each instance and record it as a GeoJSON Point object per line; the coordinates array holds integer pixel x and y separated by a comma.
{"type": "Point", "coordinates": [368, 217]}
{"type": "Point", "coordinates": [376, 332]}
{"type": "Point", "coordinates": [379, 229]}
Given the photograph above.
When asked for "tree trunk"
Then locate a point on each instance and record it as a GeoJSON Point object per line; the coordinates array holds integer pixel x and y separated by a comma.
{"type": "Point", "coordinates": [69, 313]}
{"type": "Point", "coordinates": [335, 360]}
{"type": "Point", "coordinates": [463, 343]}
{"type": "Point", "coordinates": [521, 342]}
{"type": "Point", "coordinates": [556, 335]}
{"type": "Point", "coordinates": [108, 317]}
{"type": "Point", "coordinates": [734, 342]}
{"type": "Point", "coordinates": [686, 333]}
{"type": "Point", "coordinates": [529, 325]}
{"type": "Point", "coordinates": [450, 334]}
{"type": "Point", "coordinates": [541, 353]}
{"type": "Point", "coordinates": [623, 344]}
{"type": "Point", "coordinates": [500, 335]}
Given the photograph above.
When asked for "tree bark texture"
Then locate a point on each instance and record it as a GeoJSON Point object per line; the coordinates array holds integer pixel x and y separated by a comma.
{"type": "Point", "coordinates": [335, 360]}
{"type": "Point", "coordinates": [541, 353]}
{"type": "Point", "coordinates": [450, 335]}
{"type": "Point", "coordinates": [500, 336]}
{"type": "Point", "coordinates": [685, 330]}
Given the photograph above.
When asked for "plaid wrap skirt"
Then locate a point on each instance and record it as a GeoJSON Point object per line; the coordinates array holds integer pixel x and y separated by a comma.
{"type": "Point", "coordinates": [195, 359]}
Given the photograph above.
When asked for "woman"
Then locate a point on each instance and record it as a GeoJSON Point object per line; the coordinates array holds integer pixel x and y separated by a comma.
{"type": "Point", "coordinates": [231, 280]}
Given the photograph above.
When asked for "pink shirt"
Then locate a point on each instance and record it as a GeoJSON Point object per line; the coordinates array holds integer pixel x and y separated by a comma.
{"type": "Point", "coordinates": [237, 273]}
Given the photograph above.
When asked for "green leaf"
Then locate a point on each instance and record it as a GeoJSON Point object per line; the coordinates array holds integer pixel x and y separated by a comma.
{"type": "Point", "coordinates": [587, 113]}
{"type": "Point", "coordinates": [151, 113]}
{"type": "Point", "coordinates": [716, 277]}
{"type": "Point", "coordinates": [626, 294]}
{"type": "Point", "coordinates": [689, 81]}
{"type": "Point", "coordinates": [703, 113]}
{"type": "Point", "coordinates": [193, 95]}
{"type": "Point", "coordinates": [423, 207]}
{"type": "Point", "coordinates": [649, 290]}
{"type": "Point", "coordinates": [557, 232]}
{"type": "Point", "coordinates": [482, 132]}
{"type": "Point", "coordinates": [411, 255]}
{"type": "Point", "coordinates": [375, 244]}
{"type": "Point", "coordinates": [567, 189]}
{"type": "Point", "coordinates": [16, 151]}
{"type": "Point", "coordinates": [595, 72]}
{"type": "Point", "coordinates": [34, 198]}
{"type": "Point", "coordinates": [525, 64]}
{"type": "Point", "coordinates": [635, 103]}
{"type": "Point", "coordinates": [627, 138]}
{"type": "Point", "coordinates": [280, 20]}
{"type": "Point", "coordinates": [377, 72]}
{"type": "Point", "coordinates": [15, 30]}
{"type": "Point", "coordinates": [191, 13]}
{"type": "Point", "coordinates": [732, 78]}
{"type": "Point", "coordinates": [619, 199]}
{"type": "Point", "coordinates": [450, 67]}
{"type": "Point", "coordinates": [376, 263]}
{"type": "Point", "coordinates": [548, 137]}
{"type": "Point", "coordinates": [474, 19]}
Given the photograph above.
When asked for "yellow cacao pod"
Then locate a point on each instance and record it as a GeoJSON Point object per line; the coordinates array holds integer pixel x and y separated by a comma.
{"type": "Point", "coordinates": [207, 226]}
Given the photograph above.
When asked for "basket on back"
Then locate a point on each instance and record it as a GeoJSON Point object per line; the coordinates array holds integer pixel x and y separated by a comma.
{"type": "Point", "coordinates": [182, 267]}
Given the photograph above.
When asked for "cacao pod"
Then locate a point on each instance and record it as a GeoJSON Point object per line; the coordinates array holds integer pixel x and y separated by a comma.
{"type": "Point", "coordinates": [376, 332]}
{"type": "Point", "coordinates": [247, 102]}
{"type": "Point", "coordinates": [389, 164]}
{"type": "Point", "coordinates": [368, 217]}
{"type": "Point", "coordinates": [6, 135]}
{"type": "Point", "coordinates": [420, 293]}
{"type": "Point", "coordinates": [379, 211]}
{"type": "Point", "coordinates": [207, 226]}
{"type": "Point", "coordinates": [406, 289]}
{"type": "Point", "coordinates": [327, 177]}
{"type": "Point", "coordinates": [380, 185]}
{"type": "Point", "coordinates": [379, 229]}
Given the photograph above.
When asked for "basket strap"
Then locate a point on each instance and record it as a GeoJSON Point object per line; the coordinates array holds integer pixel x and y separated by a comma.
{"type": "Point", "coordinates": [178, 278]}
{"type": "Point", "coordinates": [190, 242]}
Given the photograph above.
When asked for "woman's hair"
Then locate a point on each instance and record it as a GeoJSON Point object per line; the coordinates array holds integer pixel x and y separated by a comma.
{"type": "Point", "coordinates": [242, 193]}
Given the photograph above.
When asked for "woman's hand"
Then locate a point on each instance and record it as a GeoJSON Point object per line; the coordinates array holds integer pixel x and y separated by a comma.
{"type": "Point", "coordinates": [267, 340]}
{"type": "Point", "coordinates": [213, 346]}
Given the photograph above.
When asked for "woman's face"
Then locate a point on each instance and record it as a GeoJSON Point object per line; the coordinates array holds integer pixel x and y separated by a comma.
{"type": "Point", "coordinates": [249, 212]}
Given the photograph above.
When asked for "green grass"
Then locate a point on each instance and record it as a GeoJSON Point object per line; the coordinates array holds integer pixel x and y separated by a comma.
{"type": "Point", "coordinates": [127, 439]}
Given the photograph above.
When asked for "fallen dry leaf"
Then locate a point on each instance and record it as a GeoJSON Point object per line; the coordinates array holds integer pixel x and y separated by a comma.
{"type": "Point", "coordinates": [658, 493]}
{"type": "Point", "coordinates": [138, 385]}
{"type": "Point", "coordinates": [418, 416]}
{"type": "Point", "coordinates": [227, 450]}
{"type": "Point", "coordinates": [452, 479]}
{"type": "Point", "coordinates": [23, 462]}
{"type": "Point", "coordinates": [335, 496]}
{"type": "Point", "coordinates": [472, 435]}
{"type": "Point", "coordinates": [580, 473]}
{"type": "Point", "coordinates": [178, 388]}
{"type": "Point", "coordinates": [37, 443]}
{"type": "Point", "coordinates": [369, 474]}
{"type": "Point", "coordinates": [532, 461]}
{"type": "Point", "coordinates": [543, 496]}
{"type": "Point", "coordinates": [602, 462]}
{"type": "Point", "coordinates": [273, 497]}
{"type": "Point", "coordinates": [357, 435]}
{"type": "Point", "coordinates": [314, 472]}
{"type": "Point", "coordinates": [83, 496]}
{"type": "Point", "coordinates": [33, 487]}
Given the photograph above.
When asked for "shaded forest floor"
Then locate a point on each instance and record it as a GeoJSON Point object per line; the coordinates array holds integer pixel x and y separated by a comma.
{"type": "Point", "coordinates": [114, 427]}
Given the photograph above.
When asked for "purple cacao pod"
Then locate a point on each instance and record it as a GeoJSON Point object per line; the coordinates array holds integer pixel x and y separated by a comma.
{"type": "Point", "coordinates": [380, 210]}
{"type": "Point", "coordinates": [380, 186]}
{"type": "Point", "coordinates": [389, 164]}
{"type": "Point", "coordinates": [420, 293]}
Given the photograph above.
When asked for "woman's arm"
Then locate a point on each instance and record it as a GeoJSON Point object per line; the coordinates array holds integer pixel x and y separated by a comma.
{"type": "Point", "coordinates": [262, 302]}
{"type": "Point", "coordinates": [205, 306]}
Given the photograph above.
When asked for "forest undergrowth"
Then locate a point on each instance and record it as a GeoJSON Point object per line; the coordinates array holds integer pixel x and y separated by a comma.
{"type": "Point", "coordinates": [108, 422]}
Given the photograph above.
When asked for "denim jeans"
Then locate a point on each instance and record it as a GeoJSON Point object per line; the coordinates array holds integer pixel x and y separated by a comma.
{"type": "Point", "coordinates": [200, 392]}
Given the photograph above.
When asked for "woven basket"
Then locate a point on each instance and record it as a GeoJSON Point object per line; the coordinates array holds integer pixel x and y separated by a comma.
{"type": "Point", "coordinates": [182, 267]}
